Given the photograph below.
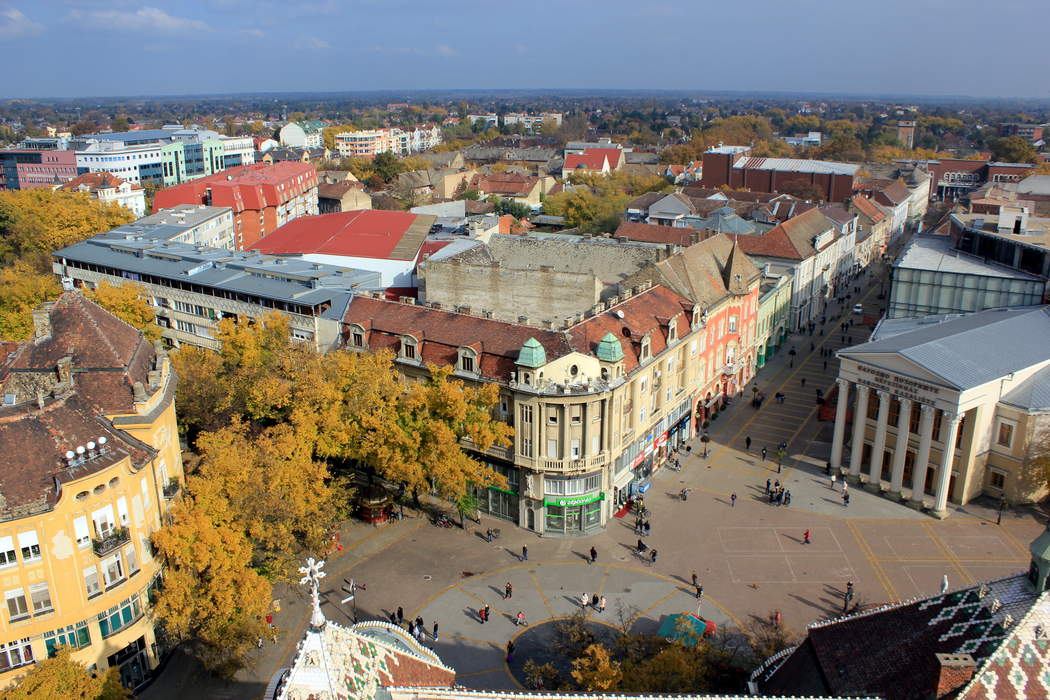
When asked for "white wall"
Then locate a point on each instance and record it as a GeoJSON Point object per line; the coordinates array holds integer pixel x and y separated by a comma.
{"type": "Point", "coordinates": [393, 273]}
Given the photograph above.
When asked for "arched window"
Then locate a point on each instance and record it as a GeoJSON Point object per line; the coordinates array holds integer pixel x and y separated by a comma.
{"type": "Point", "coordinates": [468, 361]}
{"type": "Point", "coordinates": [357, 336]}
{"type": "Point", "coordinates": [409, 348]}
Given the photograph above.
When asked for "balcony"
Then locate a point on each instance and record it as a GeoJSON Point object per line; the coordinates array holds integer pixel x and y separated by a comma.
{"type": "Point", "coordinates": [499, 451]}
{"type": "Point", "coordinates": [730, 369]}
{"type": "Point", "coordinates": [107, 544]}
{"type": "Point", "coordinates": [572, 465]}
{"type": "Point", "coordinates": [171, 489]}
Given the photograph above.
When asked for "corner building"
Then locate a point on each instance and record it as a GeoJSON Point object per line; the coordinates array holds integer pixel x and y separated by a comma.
{"type": "Point", "coordinates": [600, 404]}
{"type": "Point", "coordinates": [90, 465]}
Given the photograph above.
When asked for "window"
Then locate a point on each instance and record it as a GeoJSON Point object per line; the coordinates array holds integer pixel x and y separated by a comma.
{"type": "Point", "coordinates": [40, 596]}
{"type": "Point", "coordinates": [467, 361]}
{"type": "Point", "coordinates": [643, 384]}
{"type": "Point", "coordinates": [185, 326]}
{"type": "Point", "coordinates": [646, 349]}
{"type": "Point", "coordinates": [7, 552]}
{"type": "Point", "coordinates": [15, 654]}
{"type": "Point", "coordinates": [552, 414]}
{"type": "Point", "coordinates": [122, 510]}
{"type": "Point", "coordinates": [145, 488]}
{"type": "Point", "coordinates": [357, 337]}
{"type": "Point", "coordinates": [408, 348]}
{"type": "Point", "coordinates": [692, 347]}
{"type": "Point", "coordinates": [16, 604]}
{"type": "Point", "coordinates": [91, 581]}
{"type": "Point", "coordinates": [112, 570]}
{"type": "Point", "coordinates": [998, 479]}
{"type": "Point", "coordinates": [574, 449]}
{"type": "Point", "coordinates": [732, 324]}
{"type": "Point", "coordinates": [30, 546]}
{"type": "Point", "coordinates": [119, 616]}
{"type": "Point", "coordinates": [75, 636]}
{"type": "Point", "coordinates": [577, 414]}
{"type": "Point", "coordinates": [104, 521]}
{"type": "Point", "coordinates": [672, 331]}
{"type": "Point", "coordinates": [131, 559]}
{"type": "Point", "coordinates": [1006, 434]}
{"type": "Point", "coordinates": [552, 449]}
{"type": "Point", "coordinates": [81, 532]}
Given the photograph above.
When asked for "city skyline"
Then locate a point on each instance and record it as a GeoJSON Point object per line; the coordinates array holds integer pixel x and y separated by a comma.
{"type": "Point", "coordinates": [208, 46]}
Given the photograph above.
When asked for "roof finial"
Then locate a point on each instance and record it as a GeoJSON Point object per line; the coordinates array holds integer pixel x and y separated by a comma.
{"type": "Point", "coordinates": [312, 575]}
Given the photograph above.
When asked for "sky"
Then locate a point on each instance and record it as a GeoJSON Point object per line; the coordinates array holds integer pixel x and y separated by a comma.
{"type": "Point", "coordinates": [79, 48]}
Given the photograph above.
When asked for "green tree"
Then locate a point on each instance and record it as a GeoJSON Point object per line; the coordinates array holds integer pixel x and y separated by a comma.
{"type": "Point", "coordinates": [1013, 149]}
{"type": "Point", "coordinates": [62, 677]}
{"type": "Point", "coordinates": [518, 210]}
{"type": "Point", "coordinates": [386, 166]}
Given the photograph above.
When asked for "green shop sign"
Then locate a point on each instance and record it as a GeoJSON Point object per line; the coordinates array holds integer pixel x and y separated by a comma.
{"type": "Point", "coordinates": [574, 500]}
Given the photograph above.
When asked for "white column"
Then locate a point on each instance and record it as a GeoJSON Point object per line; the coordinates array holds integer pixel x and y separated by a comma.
{"type": "Point", "coordinates": [860, 420]}
{"type": "Point", "coordinates": [922, 459]}
{"type": "Point", "coordinates": [900, 447]}
{"type": "Point", "coordinates": [840, 425]}
{"type": "Point", "coordinates": [879, 446]}
{"type": "Point", "coordinates": [944, 476]}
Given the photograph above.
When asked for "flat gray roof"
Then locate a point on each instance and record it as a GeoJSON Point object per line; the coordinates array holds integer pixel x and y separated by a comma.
{"type": "Point", "coordinates": [936, 253]}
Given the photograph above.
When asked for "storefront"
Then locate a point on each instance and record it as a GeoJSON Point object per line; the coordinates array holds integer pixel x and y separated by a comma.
{"type": "Point", "coordinates": [501, 502]}
{"type": "Point", "coordinates": [132, 662]}
{"type": "Point", "coordinates": [574, 514]}
{"type": "Point", "coordinates": [678, 419]}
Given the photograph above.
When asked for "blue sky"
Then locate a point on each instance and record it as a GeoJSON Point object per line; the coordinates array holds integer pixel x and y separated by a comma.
{"type": "Point", "coordinates": [65, 48]}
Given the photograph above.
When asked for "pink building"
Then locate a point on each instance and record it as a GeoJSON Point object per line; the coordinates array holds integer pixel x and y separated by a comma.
{"type": "Point", "coordinates": [24, 169]}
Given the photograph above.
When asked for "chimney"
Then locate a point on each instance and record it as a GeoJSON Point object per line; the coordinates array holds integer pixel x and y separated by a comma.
{"type": "Point", "coordinates": [64, 369]}
{"type": "Point", "coordinates": [140, 392]}
{"type": "Point", "coordinates": [954, 671]}
{"type": "Point", "coordinates": [42, 321]}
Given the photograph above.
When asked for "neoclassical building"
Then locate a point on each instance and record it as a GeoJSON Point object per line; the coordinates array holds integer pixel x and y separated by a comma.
{"type": "Point", "coordinates": [91, 463]}
{"type": "Point", "coordinates": [596, 406]}
{"type": "Point", "coordinates": [945, 408]}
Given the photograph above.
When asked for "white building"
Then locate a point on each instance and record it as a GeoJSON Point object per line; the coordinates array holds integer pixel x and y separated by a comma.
{"type": "Point", "coordinates": [307, 134]}
{"type": "Point", "coordinates": [110, 189]}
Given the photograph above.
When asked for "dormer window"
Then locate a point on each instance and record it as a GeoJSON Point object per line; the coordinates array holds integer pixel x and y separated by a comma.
{"type": "Point", "coordinates": [672, 330]}
{"type": "Point", "coordinates": [408, 348]}
{"type": "Point", "coordinates": [357, 336]}
{"type": "Point", "coordinates": [646, 349]}
{"type": "Point", "coordinates": [468, 360]}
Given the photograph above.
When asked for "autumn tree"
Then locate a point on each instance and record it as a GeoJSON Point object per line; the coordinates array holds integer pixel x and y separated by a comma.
{"type": "Point", "coordinates": [22, 289]}
{"type": "Point", "coordinates": [34, 223]}
{"type": "Point", "coordinates": [129, 302]}
{"type": "Point", "coordinates": [62, 677]}
{"type": "Point", "coordinates": [595, 671]}
{"type": "Point", "coordinates": [1013, 149]}
{"type": "Point", "coordinates": [212, 598]}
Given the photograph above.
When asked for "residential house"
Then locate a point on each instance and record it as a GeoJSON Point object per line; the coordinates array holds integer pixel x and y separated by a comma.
{"type": "Point", "coordinates": [892, 197]}
{"type": "Point", "coordinates": [109, 189]}
{"type": "Point", "coordinates": [342, 196]}
{"type": "Point", "coordinates": [334, 177]}
{"type": "Point", "coordinates": [873, 230]}
{"type": "Point", "coordinates": [593, 161]}
{"type": "Point", "coordinates": [305, 134]}
{"type": "Point", "coordinates": [91, 470]}
{"type": "Point", "coordinates": [524, 189]}
{"type": "Point", "coordinates": [774, 315]}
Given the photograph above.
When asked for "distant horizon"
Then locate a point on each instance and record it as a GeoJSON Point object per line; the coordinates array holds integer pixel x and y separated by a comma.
{"type": "Point", "coordinates": [545, 92]}
{"type": "Point", "coordinates": [943, 49]}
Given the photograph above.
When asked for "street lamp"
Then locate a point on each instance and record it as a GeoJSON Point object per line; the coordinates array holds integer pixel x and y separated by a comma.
{"type": "Point", "coordinates": [351, 588]}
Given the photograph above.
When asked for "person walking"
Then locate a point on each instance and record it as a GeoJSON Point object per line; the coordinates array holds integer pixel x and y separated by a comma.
{"type": "Point", "coordinates": [845, 499]}
{"type": "Point", "coordinates": [510, 651]}
{"type": "Point", "coordinates": [601, 604]}
{"type": "Point", "coordinates": [803, 380]}
{"type": "Point", "coordinates": [699, 591]}
{"type": "Point", "coordinates": [594, 555]}
{"type": "Point", "coordinates": [732, 500]}
{"type": "Point", "coordinates": [524, 553]}
{"type": "Point", "coordinates": [400, 615]}
{"type": "Point", "coordinates": [768, 482]}
{"type": "Point", "coordinates": [435, 630]}
{"type": "Point", "coordinates": [833, 482]}
{"type": "Point", "coordinates": [747, 443]}
{"type": "Point", "coordinates": [825, 365]}
{"type": "Point", "coordinates": [508, 591]}
{"type": "Point", "coordinates": [584, 599]}
{"type": "Point", "coordinates": [805, 536]}
{"type": "Point", "coordinates": [652, 558]}
{"type": "Point", "coordinates": [763, 454]}
{"type": "Point", "coordinates": [520, 619]}
{"type": "Point", "coordinates": [594, 601]}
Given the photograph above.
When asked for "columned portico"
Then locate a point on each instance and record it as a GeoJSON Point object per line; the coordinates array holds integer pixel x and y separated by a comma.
{"type": "Point", "coordinates": [860, 417]}
{"type": "Point", "coordinates": [922, 459]}
{"type": "Point", "coordinates": [840, 425]}
{"type": "Point", "coordinates": [878, 448]}
{"type": "Point", "coordinates": [900, 448]}
{"type": "Point", "coordinates": [944, 475]}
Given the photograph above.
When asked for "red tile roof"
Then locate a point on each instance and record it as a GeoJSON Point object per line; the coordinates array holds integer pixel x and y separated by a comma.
{"type": "Point", "coordinates": [94, 182]}
{"type": "Point", "coordinates": [594, 159]}
{"type": "Point", "coordinates": [504, 184]}
{"type": "Point", "coordinates": [253, 187]}
{"type": "Point", "coordinates": [651, 233]}
{"type": "Point", "coordinates": [866, 207]}
{"type": "Point", "coordinates": [363, 233]}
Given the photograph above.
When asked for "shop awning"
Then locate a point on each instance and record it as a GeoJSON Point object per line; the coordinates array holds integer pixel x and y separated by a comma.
{"type": "Point", "coordinates": [686, 628]}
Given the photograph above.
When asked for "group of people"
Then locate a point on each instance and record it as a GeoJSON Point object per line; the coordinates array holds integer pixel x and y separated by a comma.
{"type": "Point", "coordinates": [594, 601]}
{"type": "Point", "coordinates": [642, 527]}
{"type": "Point", "coordinates": [416, 627]}
{"type": "Point", "coordinates": [777, 494]}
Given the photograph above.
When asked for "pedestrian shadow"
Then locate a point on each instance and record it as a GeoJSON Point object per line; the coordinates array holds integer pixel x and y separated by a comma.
{"type": "Point", "coordinates": [576, 601]}
{"type": "Point", "coordinates": [497, 590]}
{"type": "Point", "coordinates": [474, 614]}
{"type": "Point", "coordinates": [797, 540]}
{"type": "Point", "coordinates": [724, 502]}
{"type": "Point", "coordinates": [583, 555]}
{"type": "Point", "coordinates": [837, 502]}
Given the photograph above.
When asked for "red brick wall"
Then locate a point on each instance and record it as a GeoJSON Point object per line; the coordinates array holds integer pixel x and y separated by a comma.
{"type": "Point", "coordinates": [716, 171]}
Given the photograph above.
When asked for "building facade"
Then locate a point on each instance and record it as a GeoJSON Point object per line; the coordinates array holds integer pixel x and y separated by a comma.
{"type": "Point", "coordinates": [598, 405]}
{"type": "Point", "coordinates": [263, 197]}
{"type": "Point", "coordinates": [109, 189]}
{"type": "Point", "coordinates": [940, 413]}
{"type": "Point", "coordinates": [774, 316]}
{"type": "Point", "coordinates": [369, 143]}
{"type": "Point", "coordinates": [305, 134]}
{"type": "Point", "coordinates": [92, 465]}
{"type": "Point", "coordinates": [22, 169]}
{"type": "Point", "coordinates": [736, 168]}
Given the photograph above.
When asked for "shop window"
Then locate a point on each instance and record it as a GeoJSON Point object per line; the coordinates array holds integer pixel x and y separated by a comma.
{"type": "Point", "coordinates": [998, 480]}
{"type": "Point", "coordinates": [1005, 437]}
{"type": "Point", "coordinates": [75, 636]}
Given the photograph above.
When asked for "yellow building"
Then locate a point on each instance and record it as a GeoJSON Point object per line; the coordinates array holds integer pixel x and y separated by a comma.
{"type": "Point", "coordinates": [89, 463]}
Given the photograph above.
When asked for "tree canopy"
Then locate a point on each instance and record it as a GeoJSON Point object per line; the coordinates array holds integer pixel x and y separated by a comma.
{"type": "Point", "coordinates": [127, 301]}
{"type": "Point", "coordinates": [62, 677]}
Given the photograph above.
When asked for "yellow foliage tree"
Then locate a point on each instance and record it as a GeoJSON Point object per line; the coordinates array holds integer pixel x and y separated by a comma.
{"type": "Point", "coordinates": [129, 302]}
{"type": "Point", "coordinates": [21, 290]}
{"type": "Point", "coordinates": [595, 671]}
{"type": "Point", "coordinates": [35, 223]}
{"type": "Point", "coordinates": [212, 597]}
{"type": "Point", "coordinates": [62, 677]}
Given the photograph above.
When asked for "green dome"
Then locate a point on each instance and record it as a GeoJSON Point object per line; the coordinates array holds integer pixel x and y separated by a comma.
{"type": "Point", "coordinates": [609, 349]}
{"type": "Point", "coordinates": [532, 354]}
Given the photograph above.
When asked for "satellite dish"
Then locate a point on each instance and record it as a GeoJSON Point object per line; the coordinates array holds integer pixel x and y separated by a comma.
{"type": "Point", "coordinates": [70, 454]}
{"type": "Point", "coordinates": [80, 449]}
{"type": "Point", "coordinates": [102, 440]}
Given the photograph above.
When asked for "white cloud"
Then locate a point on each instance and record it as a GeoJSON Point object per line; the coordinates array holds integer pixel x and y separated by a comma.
{"type": "Point", "coordinates": [143, 19]}
{"type": "Point", "coordinates": [395, 50]}
{"type": "Point", "coordinates": [311, 43]}
{"type": "Point", "coordinates": [445, 50]}
{"type": "Point", "coordinates": [253, 33]}
{"type": "Point", "coordinates": [14, 23]}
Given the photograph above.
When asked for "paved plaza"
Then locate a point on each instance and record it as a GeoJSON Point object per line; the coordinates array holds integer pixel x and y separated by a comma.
{"type": "Point", "coordinates": [751, 558]}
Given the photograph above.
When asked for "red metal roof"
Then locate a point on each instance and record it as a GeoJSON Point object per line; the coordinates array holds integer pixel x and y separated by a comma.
{"type": "Point", "coordinates": [244, 187]}
{"type": "Point", "coordinates": [364, 233]}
